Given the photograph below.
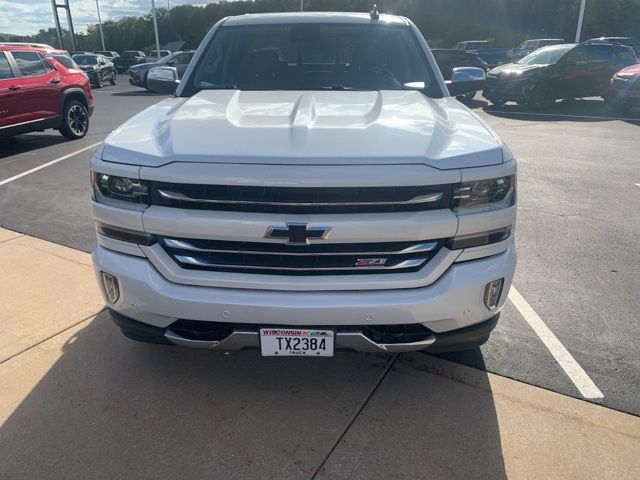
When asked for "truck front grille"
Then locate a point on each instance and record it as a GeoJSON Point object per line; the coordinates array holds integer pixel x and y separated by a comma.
{"type": "Point", "coordinates": [292, 200]}
{"type": "Point", "coordinates": [314, 259]}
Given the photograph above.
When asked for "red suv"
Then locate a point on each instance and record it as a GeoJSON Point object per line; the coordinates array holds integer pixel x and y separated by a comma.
{"type": "Point", "coordinates": [41, 88]}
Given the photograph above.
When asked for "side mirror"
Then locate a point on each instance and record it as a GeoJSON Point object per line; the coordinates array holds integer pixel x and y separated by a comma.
{"type": "Point", "coordinates": [466, 80]}
{"type": "Point", "coordinates": [163, 80]}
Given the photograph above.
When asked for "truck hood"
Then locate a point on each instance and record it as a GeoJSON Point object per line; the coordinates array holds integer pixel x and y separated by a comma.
{"type": "Point", "coordinates": [303, 127]}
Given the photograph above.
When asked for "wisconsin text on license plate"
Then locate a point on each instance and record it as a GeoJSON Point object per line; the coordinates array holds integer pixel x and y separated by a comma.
{"type": "Point", "coordinates": [296, 341]}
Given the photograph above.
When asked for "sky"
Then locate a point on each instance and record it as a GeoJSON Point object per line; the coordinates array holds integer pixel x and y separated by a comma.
{"type": "Point", "coordinates": [26, 17]}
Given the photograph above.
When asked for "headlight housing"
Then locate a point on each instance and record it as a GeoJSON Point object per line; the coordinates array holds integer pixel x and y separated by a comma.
{"type": "Point", "coordinates": [119, 191]}
{"type": "Point", "coordinates": [484, 195]}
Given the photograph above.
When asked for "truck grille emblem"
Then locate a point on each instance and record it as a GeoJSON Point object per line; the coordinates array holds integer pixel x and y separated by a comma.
{"type": "Point", "coordinates": [297, 233]}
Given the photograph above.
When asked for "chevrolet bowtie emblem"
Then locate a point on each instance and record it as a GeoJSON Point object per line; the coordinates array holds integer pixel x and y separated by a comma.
{"type": "Point", "coordinates": [297, 233]}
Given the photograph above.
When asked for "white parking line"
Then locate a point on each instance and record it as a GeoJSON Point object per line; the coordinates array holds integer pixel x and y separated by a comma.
{"type": "Point", "coordinates": [48, 164]}
{"type": "Point", "coordinates": [637, 184]}
{"type": "Point", "coordinates": [578, 376]}
{"type": "Point", "coordinates": [589, 117]}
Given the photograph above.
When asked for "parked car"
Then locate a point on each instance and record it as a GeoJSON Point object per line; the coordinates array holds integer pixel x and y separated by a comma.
{"type": "Point", "coordinates": [277, 203]}
{"type": "Point", "coordinates": [556, 72]}
{"type": "Point", "coordinates": [528, 46]}
{"type": "Point", "coordinates": [179, 60]}
{"type": "Point", "coordinates": [491, 56]}
{"type": "Point", "coordinates": [109, 54]}
{"type": "Point", "coordinates": [158, 54]}
{"type": "Point", "coordinates": [624, 89]}
{"type": "Point", "coordinates": [128, 59]}
{"type": "Point", "coordinates": [37, 93]}
{"type": "Point", "coordinates": [98, 68]}
{"type": "Point", "coordinates": [628, 41]}
{"type": "Point", "coordinates": [448, 59]}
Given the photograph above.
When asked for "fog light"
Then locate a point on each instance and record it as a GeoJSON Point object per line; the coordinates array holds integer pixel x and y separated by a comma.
{"type": "Point", "coordinates": [111, 287]}
{"type": "Point", "coordinates": [492, 293]}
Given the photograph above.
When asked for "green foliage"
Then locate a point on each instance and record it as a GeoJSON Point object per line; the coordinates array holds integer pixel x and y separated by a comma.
{"type": "Point", "coordinates": [443, 22]}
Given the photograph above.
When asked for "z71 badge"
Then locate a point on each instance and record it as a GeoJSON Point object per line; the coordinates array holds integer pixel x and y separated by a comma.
{"type": "Point", "coordinates": [369, 262]}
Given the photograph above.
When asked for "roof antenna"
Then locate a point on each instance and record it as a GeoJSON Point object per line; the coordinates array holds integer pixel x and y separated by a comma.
{"type": "Point", "coordinates": [374, 14]}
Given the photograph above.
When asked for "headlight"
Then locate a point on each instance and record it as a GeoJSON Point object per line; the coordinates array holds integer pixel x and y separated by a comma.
{"type": "Point", "coordinates": [119, 191]}
{"type": "Point", "coordinates": [485, 195]}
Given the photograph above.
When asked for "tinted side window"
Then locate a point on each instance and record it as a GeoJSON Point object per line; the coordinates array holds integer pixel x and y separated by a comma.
{"type": "Point", "coordinates": [5, 68]}
{"type": "Point", "coordinates": [600, 54]}
{"type": "Point", "coordinates": [576, 55]}
{"type": "Point", "coordinates": [625, 55]}
{"type": "Point", "coordinates": [182, 59]}
{"type": "Point", "coordinates": [30, 63]}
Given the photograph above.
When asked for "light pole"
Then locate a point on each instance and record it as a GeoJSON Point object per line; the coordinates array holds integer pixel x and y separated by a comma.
{"type": "Point", "coordinates": [100, 24]}
{"type": "Point", "coordinates": [155, 28]}
{"type": "Point", "coordinates": [580, 19]}
{"type": "Point", "coordinates": [302, 5]}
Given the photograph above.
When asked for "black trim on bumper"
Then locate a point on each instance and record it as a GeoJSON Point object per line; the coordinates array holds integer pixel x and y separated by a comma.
{"type": "Point", "coordinates": [464, 338]}
{"type": "Point", "coordinates": [141, 332]}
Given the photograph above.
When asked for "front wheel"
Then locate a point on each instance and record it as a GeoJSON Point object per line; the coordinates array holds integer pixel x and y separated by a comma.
{"type": "Point", "coordinates": [114, 79]}
{"type": "Point", "coordinates": [75, 120]}
{"type": "Point", "coordinates": [99, 83]}
{"type": "Point", "coordinates": [541, 98]}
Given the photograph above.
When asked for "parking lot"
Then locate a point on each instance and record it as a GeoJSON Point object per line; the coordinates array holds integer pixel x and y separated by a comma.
{"type": "Point", "coordinates": [571, 327]}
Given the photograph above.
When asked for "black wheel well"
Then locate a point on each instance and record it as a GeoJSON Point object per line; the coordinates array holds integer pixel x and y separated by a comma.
{"type": "Point", "coordinates": [76, 96]}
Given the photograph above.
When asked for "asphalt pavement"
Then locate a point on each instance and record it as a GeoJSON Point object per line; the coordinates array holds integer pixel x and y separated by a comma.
{"type": "Point", "coordinates": [577, 234]}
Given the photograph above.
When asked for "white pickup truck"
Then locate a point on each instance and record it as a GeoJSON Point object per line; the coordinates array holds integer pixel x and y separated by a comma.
{"type": "Point", "coordinates": [310, 187]}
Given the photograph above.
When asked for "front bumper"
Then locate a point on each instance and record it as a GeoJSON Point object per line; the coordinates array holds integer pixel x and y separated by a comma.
{"type": "Point", "coordinates": [501, 89]}
{"type": "Point", "coordinates": [453, 302]}
{"type": "Point", "coordinates": [247, 336]}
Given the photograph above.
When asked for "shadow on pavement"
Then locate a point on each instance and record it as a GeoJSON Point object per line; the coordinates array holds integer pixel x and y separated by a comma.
{"type": "Point", "coordinates": [582, 110]}
{"type": "Point", "coordinates": [138, 93]}
{"type": "Point", "coordinates": [102, 406]}
{"type": "Point", "coordinates": [476, 102]}
{"type": "Point", "coordinates": [26, 143]}
{"type": "Point", "coordinates": [423, 422]}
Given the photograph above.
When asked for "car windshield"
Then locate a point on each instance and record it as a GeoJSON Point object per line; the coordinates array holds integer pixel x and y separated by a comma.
{"type": "Point", "coordinates": [545, 56]}
{"type": "Point", "coordinates": [85, 59]}
{"type": "Point", "coordinates": [106, 54]}
{"type": "Point", "coordinates": [312, 57]}
{"type": "Point", "coordinates": [65, 60]}
{"type": "Point", "coordinates": [130, 54]}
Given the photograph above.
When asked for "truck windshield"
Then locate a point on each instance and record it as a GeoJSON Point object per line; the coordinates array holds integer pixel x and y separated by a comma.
{"type": "Point", "coordinates": [545, 56]}
{"type": "Point", "coordinates": [313, 57]}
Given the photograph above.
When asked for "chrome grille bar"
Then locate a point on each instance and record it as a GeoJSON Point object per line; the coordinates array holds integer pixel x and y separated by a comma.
{"type": "Point", "coordinates": [188, 260]}
{"type": "Point", "coordinates": [170, 195]}
{"type": "Point", "coordinates": [184, 245]}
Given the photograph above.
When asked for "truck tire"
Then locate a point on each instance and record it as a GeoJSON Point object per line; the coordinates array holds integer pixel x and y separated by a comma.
{"type": "Point", "coordinates": [75, 120]}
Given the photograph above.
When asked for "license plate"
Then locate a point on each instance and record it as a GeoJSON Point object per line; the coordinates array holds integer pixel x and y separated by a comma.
{"type": "Point", "coordinates": [296, 342]}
